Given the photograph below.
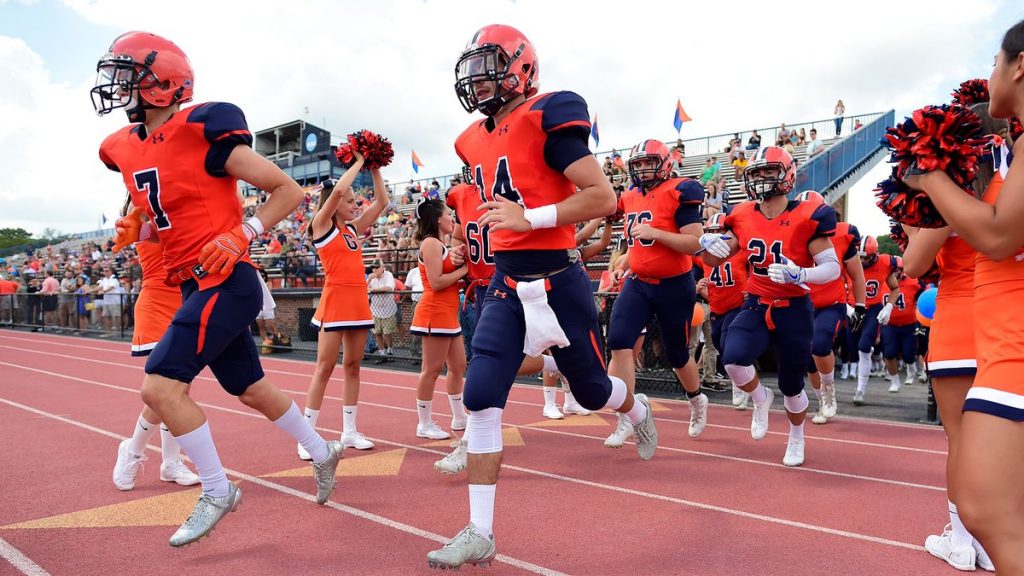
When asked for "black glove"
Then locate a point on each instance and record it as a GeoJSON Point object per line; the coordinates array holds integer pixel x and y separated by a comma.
{"type": "Point", "coordinates": [856, 319]}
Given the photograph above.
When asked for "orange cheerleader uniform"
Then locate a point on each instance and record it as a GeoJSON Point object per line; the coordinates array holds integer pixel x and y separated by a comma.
{"type": "Point", "coordinates": [344, 302]}
{"type": "Point", "coordinates": [998, 331]}
{"type": "Point", "coordinates": [157, 302]}
{"type": "Point", "coordinates": [951, 338]}
{"type": "Point", "coordinates": [437, 312]}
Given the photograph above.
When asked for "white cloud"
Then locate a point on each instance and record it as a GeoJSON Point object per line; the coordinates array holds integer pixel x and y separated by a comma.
{"type": "Point", "coordinates": [388, 66]}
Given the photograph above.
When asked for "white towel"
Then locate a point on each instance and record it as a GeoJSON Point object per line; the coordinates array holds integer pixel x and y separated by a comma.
{"type": "Point", "coordinates": [542, 328]}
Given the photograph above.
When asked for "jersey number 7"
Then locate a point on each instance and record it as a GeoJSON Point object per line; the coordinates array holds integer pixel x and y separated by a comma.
{"type": "Point", "coordinates": [148, 182]}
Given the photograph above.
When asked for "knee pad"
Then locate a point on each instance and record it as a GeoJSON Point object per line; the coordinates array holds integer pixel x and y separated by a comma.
{"type": "Point", "coordinates": [796, 404]}
{"type": "Point", "coordinates": [740, 375]}
{"type": "Point", "coordinates": [618, 395]}
{"type": "Point", "coordinates": [483, 431]}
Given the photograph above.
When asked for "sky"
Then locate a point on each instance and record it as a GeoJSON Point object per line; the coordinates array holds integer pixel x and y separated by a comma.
{"type": "Point", "coordinates": [388, 66]}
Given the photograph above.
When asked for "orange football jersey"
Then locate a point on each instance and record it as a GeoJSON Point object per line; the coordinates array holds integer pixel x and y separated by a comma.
{"type": "Point", "coordinates": [727, 283]}
{"type": "Point", "coordinates": [875, 277]}
{"type": "Point", "coordinates": [341, 254]}
{"type": "Point", "coordinates": [177, 175]}
{"type": "Point", "coordinates": [765, 242]}
{"type": "Point", "coordinates": [904, 310]}
{"type": "Point", "coordinates": [845, 241]}
{"type": "Point", "coordinates": [668, 206]}
{"type": "Point", "coordinates": [514, 159]}
{"type": "Point", "coordinates": [465, 200]}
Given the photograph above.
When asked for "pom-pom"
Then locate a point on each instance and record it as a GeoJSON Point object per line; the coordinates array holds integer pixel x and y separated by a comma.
{"type": "Point", "coordinates": [1016, 128]}
{"type": "Point", "coordinates": [947, 138]}
{"type": "Point", "coordinates": [971, 92]}
{"type": "Point", "coordinates": [375, 148]}
{"type": "Point", "coordinates": [898, 235]}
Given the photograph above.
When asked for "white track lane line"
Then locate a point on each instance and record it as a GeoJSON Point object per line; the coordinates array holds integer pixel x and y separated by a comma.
{"type": "Point", "coordinates": [22, 563]}
{"type": "Point", "coordinates": [599, 485]}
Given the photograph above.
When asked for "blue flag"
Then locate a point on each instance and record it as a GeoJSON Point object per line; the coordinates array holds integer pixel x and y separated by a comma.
{"type": "Point", "coordinates": [680, 117]}
{"type": "Point", "coordinates": [594, 134]}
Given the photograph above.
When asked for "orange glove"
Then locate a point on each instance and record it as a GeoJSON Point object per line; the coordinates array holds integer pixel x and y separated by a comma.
{"type": "Point", "coordinates": [127, 229]}
{"type": "Point", "coordinates": [220, 255]}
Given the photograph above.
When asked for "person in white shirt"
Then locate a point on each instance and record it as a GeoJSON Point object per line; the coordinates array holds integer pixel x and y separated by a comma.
{"type": "Point", "coordinates": [111, 290]}
{"type": "Point", "coordinates": [414, 283]}
{"type": "Point", "coordinates": [814, 147]}
{"type": "Point", "coordinates": [381, 286]}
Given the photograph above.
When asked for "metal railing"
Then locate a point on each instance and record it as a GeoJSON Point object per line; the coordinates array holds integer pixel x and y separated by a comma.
{"type": "Point", "coordinates": [78, 313]}
{"type": "Point", "coordinates": [827, 169]}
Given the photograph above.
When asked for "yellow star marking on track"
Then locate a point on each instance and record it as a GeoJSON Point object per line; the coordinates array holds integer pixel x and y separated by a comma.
{"type": "Point", "coordinates": [509, 437]}
{"type": "Point", "coordinates": [658, 407]}
{"type": "Point", "coordinates": [568, 421]}
{"type": "Point", "coordinates": [164, 510]}
{"type": "Point", "coordinates": [378, 464]}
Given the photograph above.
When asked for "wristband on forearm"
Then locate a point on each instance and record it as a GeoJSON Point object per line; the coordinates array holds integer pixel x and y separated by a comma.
{"type": "Point", "coordinates": [542, 217]}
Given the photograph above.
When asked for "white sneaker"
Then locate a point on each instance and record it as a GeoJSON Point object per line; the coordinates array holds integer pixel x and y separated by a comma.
{"type": "Point", "coordinates": [942, 547]}
{"type": "Point", "coordinates": [454, 462]}
{"type": "Point", "coordinates": [845, 372]}
{"type": "Point", "coordinates": [853, 372]}
{"type": "Point", "coordinates": [894, 386]}
{"type": "Point", "coordinates": [622, 433]}
{"type": "Point", "coordinates": [981, 559]}
{"type": "Point", "coordinates": [829, 405]}
{"type": "Point", "coordinates": [744, 402]}
{"type": "Point", "coordinates": [575, 408]}
{"type": "Point", "coordinates": [698, 415]}
{"type": "Point", "coordinates": [127, 467]}
{"type": "Point", "coordinates": [303, 455]}
{"type": "Point", "coordinates": [355, 439]}
{"type": "Point", "coordinates": [459, 424]}
{"type": "Point", "coordinates": [858, 398]}
{"type": "Point", "coordinates": [794, 452]}
{"type": "Point", "coordinates": [551, 411]}
{"type": "Point", "coordinates": [909, 380]}
{"type": "Point", "coordinates": [737, 395]}
{"type": "Point", "coordinates": [759, 422]}
{"type": "Point", "coordinates": [819, 416]}
{"type": "Point", "coordinates": [922, 377]}
{"type": "Point", "coordinates": [432, 431]}
{"type": "Point", "coordinates": [178, 473]}
{"type": "Point", "coordinates": [468, 547]}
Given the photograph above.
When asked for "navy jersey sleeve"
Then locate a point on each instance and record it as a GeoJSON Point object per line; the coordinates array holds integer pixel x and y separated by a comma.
{"type": "Point", "coordinates": [824, 222]}
{"type": "Point", "coordinates": [566, 121]}
{"type": "Point", "coordinates": [852, 251]}
{"type": "Point", "coordinates": [224, 127]}
{"type": "Point", "coordinates": [691, 196]}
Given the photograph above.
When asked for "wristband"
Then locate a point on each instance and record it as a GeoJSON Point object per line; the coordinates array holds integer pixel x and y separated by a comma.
{"type": "Point", "coordinates": [252, 228]}
{"type": "Point", "coordinates": [543, 217]}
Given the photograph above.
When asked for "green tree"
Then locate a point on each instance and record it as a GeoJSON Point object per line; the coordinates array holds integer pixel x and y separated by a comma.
{"type": "Point", "coordinates": [13, 237]}
{"type": "Point", "coordinates": [886, 245]}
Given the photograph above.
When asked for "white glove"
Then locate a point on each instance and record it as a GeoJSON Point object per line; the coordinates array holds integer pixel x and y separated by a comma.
{"type": "Point", "coordinates": [787, 273]}
{"type": "Point", "coordinates": [883, 316]}
{"type": "Point", "coordinates": [716, 245]}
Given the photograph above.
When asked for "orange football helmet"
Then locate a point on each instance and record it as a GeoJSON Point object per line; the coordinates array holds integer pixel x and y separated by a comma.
{"type": "Point", "coordinates": [810, 196]}
{"type": "Point", "coordinates": [716, 223]}
{"type": "Point", "coordinates": [141, 71]}
{"type": "Point", "coordinates": [498, 65]}
{"type": "Point", "coordinates": [650, 164]}
{"type": "Point", "coordinates": [771, 172]}
{"type": "Point", "coordinates": [868, 250]}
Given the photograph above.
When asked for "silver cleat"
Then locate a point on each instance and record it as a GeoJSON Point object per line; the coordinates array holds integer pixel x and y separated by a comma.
{"type": "Point", "coordinates": [456, 461]}
{"type": "Point", "coordinates": [646, 432]}
{"type": "Point", "coordinates": [324, 472]}
{"type": "Point", "coordinates": [207, 513]}
{"type": "Point", "coordinates": [468, 547]}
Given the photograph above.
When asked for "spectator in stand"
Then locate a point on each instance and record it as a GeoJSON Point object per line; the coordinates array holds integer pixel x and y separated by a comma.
{"type": "Point", "coordinates": [788, 146]}
{"type": "Point", "coordinates": [67, 314]}
{"type": "Point", "coordinates": [717, 167]}
{"type": "Point", "coordinates": [82, 299]}
{"type": "Point", "coordinates": [803, 138]}
{"type": "Point", "coordinates": [738, 165]}
{"type": "Point", "coordinates": [34, 309]}
{"type": "Point", "coordinates": [708, 173]}
{"type": "Point", "coordinates": [857, 125]}
{"type": "Point", "coordinates": [49, 290]}
{"type": "Point", "coordinates": [110, 288]}
{"type": "Point", "coordinates": [8, 289]}
{"type": "Point", "coordinates": [608, 166]}
{"type": "Point", "coordinates": [735, 145]}
{"type": "Point", "coordinates": [814, 147]}
{"type": "Point", "coordinates": [678, 154]}
{"type": "Point", "coordinates": [712, 199]}
{"type": "Point", "coordinates": [754, 142]}
{"type": "Point", "coordinates": [783, 132]}
{"type": "Point", "coordinates": [840, 111]}
{"type": "Point", "coordinates": [414, 283]}
{"type": "Point", "coordinates": [381, 285]}
{"type": "Point", "coordinates": [794, 138]}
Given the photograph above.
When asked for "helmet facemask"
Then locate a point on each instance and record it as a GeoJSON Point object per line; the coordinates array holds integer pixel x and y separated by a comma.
{"type": "Point", "coordinates": [648, 170]}
{"type": "Point", "coordinates": [486, 68]}
{"type": "Point", "coordinates": [764, 181]}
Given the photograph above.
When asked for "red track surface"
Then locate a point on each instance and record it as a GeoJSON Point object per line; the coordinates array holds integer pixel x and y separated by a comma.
{"type": "Point", "coordinates": [722, 504]}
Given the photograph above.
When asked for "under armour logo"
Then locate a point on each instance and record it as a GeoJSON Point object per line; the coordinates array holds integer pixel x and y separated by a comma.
{"type": "Point", "coordinates": [157, 138]}
{"type": "Point", "coordinates": [500, 294]}
{"type": "Point", "coordinates": [784, 223]}
{"type": "Point", "coordinates": [503, 130]}
{"type": "Point", "coordinates": [198, 271]}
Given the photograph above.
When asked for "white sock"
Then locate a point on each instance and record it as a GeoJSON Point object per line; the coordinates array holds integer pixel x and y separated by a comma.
{"type": "Point", "coordinates": [638, 413]}
{"type": "Point", "coordinates": [894, 379]}
{"type": "Point", "coordinates": [959, 537]}
{"type": "Point", "coordinates": [198, 446]}
{"type": "Point", "coordinates": [569, 398]}
{"type": "Point", "coordinates": [348, 419]}
{"type": "Point", "coordinates": [549, 363]}
{"type": "Point", "coordinates": [169, 448]}
{"type": "Point", "coordinates": [912, 370]}
{"type": "Point", "coordinates": [481, 508]}
{"type": "Point", "coordinates": [760, 394]}
{"type": "Point", "coordinates": [423, 409]}
{"type": "Point", "coordinates": [549, 395]}
{"type": "Point", "coordinates": [863, 371]}
{"type": "Point", "coordinates": [311, 415]}
{"type": "Point", "coordinates": [141, 435]}
{"type": "Point", "coordinates": [817, 392]}
{"type": "Point", "coordinates": [796, 432]}
{"type": "Point", "coordinates": [828, 378]}
{"type": "Point", "coordinates": [297, 426]}
{"type": "Point", "coordinates": [458, 410]}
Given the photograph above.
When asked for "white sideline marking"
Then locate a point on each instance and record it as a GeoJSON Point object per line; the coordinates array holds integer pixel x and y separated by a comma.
{"type": "Point", "coordinates": [23, 563]}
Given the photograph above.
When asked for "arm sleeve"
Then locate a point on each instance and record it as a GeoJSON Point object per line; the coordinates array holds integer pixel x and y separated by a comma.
{"type": "Point", "coordinates": [565, 120]}
{"type": "Point", "coordinates": [824, 221]}
{"type": "Point", "coordinates": [851, 251]}
{"type": "Point", "coordinates": [224, 127]}
{"type": "Point", "coordinates": [691, 196]}
{"type": "Point", "coordinates": [826, 267]}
